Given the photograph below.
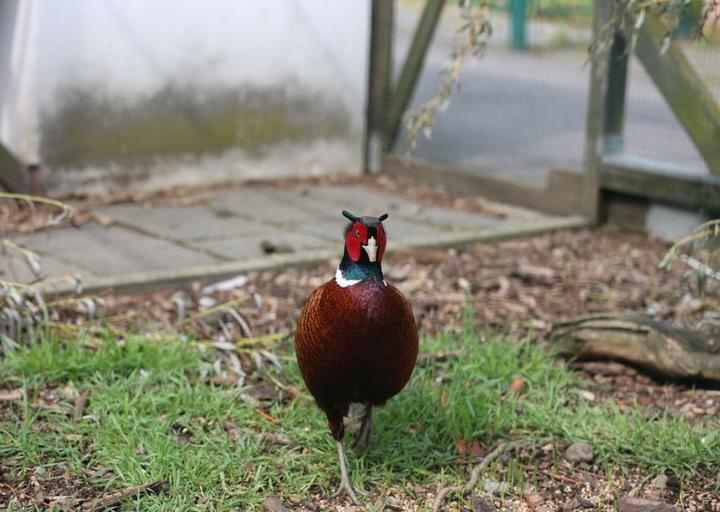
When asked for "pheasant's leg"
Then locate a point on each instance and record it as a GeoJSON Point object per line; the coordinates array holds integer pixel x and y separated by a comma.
{"type": "Point", "coordinates": [363, 435]}
{"type": "Point", "coordinates": [345, 483]}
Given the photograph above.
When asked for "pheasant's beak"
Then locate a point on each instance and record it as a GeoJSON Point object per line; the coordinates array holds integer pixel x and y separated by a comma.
{"type": "Point", "coordinates": [371, 249]}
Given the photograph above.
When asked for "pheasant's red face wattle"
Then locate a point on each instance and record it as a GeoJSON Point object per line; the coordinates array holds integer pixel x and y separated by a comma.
{"type": "Point", "coordinates": [372, 241]}
{"type": "Point", "coordinates": [355, 239]}
{"type": "Point", "coordinates": [381, 241]}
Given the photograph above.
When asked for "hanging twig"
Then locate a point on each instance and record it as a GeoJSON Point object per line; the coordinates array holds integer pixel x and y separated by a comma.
{"type": "Point", "coordinates": [475, 31]}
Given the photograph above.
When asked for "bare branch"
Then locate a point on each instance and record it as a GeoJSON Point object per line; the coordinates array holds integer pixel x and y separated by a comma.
{"type": "Point", "coordinates": [501, 448]}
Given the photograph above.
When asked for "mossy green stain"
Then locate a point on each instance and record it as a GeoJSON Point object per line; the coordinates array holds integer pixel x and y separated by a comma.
{"type": "Point", "coordinates": [95, 128]}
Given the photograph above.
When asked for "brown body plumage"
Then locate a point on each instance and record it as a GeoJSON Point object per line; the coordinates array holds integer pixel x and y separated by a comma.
{"type": "Point", "coordinates": [356, 340]}
{"type": "Point", "coordinates": [355, 345]}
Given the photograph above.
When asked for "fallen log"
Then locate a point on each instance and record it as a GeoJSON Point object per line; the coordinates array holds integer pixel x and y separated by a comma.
{"type": "Point", "coordinates": [656, 346]}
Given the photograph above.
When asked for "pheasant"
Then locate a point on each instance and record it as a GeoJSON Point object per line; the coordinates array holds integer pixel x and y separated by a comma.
{"type": "Point", "coordinates": [356, 340]}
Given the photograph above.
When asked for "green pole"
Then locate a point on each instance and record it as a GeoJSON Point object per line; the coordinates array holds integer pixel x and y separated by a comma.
{"type": "Point", "coordinates": [518, 10]}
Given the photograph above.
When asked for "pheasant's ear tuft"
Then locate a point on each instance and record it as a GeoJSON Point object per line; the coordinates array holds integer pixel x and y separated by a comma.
{"type": "Point", "coordinates": [383, 217]}
{"type": "Point", "coordinates": [349, 216]}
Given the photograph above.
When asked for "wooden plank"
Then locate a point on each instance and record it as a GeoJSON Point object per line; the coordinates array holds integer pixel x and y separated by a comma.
{"type": "Point", "coordinates": [380, 82]}
{"type": "Point", "coordinates": [413, 66]}
{"type": "Point", "coordinates": [683, 89]}
{"type": "Point", "coordinates": [648, 179]}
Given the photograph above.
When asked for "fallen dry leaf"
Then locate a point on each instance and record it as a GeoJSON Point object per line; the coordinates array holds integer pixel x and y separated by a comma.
{"type": "Point", "coordinates": [444, 399]}
{"type": "Point", "coordinates": [460, 446]}
{"type": "Point", "coordinates": [477, 450]}
{"type": "Point", "coordinates": [516, 387]}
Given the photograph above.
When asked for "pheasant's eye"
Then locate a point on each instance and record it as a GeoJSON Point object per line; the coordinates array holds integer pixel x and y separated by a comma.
{"type": "Point", "coordinates": [357, 233]}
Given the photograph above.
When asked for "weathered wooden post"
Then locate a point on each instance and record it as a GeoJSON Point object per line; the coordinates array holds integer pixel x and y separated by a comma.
{"type": "Point", "coordinates": [606, 109]}
{"type": "Point", "coordinates": [380, 83]}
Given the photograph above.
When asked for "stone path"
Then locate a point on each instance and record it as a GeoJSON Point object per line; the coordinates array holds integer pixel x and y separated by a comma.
{"type": "Point", "coordinates": [172, 245]}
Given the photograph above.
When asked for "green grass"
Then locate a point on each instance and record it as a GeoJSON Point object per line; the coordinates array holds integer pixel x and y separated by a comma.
{"type": "Point", "coordinates": [146, 392]}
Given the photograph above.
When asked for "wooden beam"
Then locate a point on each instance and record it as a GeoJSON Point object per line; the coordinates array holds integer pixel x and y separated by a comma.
{"type": "Point", "coordinates": [649, 179]}
{"type": "Point", "coordinates": [380, 82]}
{"type": "Point", "coordinates": [683, 89]}
{"type": "Point", "coordinates": [413, 66]}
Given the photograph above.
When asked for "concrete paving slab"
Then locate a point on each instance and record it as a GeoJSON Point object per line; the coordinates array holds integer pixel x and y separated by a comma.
{"type": "Point", "coordinates": [13, 268]}
{"type": "Point", "coordinates": [249, 246]}
{"type": "Point", "coordinates": [358, 199]}
{"type": "Point", "coordinates": [182, 222]}
{"type": "Point", "coordinates": [169, 245]}
{"type": "Point", "coordinates": [455, 220]}
{"type": "Point", "coordinates": [205, 274]}
{"type": "Point", "coordinates": [362, 200]}
{"type": "Point", "coordinates": [112, 250]}
{"type": "Point", "coordinates": [260, 204]}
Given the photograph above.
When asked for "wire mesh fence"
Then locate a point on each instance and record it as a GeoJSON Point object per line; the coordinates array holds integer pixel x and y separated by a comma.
{"type": "Point", "coordinates": [520, 114]}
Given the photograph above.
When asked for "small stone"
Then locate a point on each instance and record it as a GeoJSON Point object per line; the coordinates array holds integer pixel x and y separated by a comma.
{"type": "Point", "coordinates": [480, 504]}
{"type": "Point", "coordinates": [492, 487]}
{"type": "Point", "coordinates": [654, 494]}
{"type": "Point", "coordinates": [206, 302]}
{"type": "Point", "coordinates": [569, 505]}
{"type": "Point", "coordinates": [270, 247]}
{"type": "Point", "coordinates": [587, 395]}
{"type": "Point", "coordinates": [534, 498]}
{"type": "Point", "coordinates": [660, 482]}
{"type": "Point", "coordinates": [631, 504]}
{"type": "Point", "coordinates": [274, 504]}
{"type": "Point", "coordinates": [463, 284]}
{"type": "Point", "coordinates": [579, 452]}
{"type": "Point", "coordinates": [586, 502]}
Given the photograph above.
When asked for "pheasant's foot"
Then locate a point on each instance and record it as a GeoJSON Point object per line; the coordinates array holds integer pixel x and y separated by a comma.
{"type": "Point", "coordinates": [346, 486]}
{"type": "Point", "coordinates": [363, 436]}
